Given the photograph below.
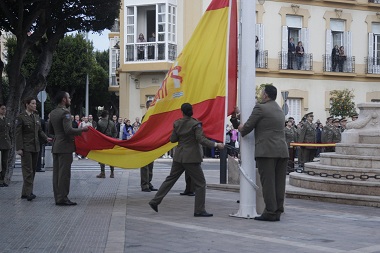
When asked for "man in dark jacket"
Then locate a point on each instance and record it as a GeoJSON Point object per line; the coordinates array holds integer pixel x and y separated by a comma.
{"type": "Point", "coordinates": [271, 151]}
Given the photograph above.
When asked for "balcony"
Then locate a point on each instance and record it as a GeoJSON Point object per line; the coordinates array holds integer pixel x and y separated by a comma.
{"type": "Point", "coordinates": [374, 1]}
{"type": "Point", "coordinates": [262, 60]}
{"type": "Point", "coordinates": [151, 51]}
{"type": "Point", "coordinates": [294, 62]}
{"type": "Point", "coordinates": [372, 65]}
{"type": "Point", "coordinates": [344, 64]}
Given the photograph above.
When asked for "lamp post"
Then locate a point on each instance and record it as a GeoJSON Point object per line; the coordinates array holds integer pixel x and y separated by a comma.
{"type": "Point", "coordinates": [87, 86]}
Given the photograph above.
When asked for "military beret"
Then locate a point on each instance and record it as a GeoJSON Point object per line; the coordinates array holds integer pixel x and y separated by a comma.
{"type": "Point", "coordinates": [308, 114]}
{"type": "Point", "coordinates": [343, 119]}
{"type": "Point", "coordinates": [355, 115]}
{"type": "Point", "coordinates": [331, 117]}
{"type": "Point", "coordinates": [335, 120]}
{"type": "Point", "coordinates": [290, 118]}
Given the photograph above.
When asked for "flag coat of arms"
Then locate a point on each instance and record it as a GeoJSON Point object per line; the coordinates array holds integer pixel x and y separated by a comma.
{"type": "Point", "coordinates": [204, 75]}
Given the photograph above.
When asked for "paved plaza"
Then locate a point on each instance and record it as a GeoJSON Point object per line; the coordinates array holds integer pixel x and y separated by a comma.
{"type": "Point", "coordinates": [113, 215]}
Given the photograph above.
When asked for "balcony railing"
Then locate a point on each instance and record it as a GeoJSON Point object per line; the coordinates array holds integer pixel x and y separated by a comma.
{"type": "Point", "coordinates": [292, 61]}
{"type": "Point", "coordinates": [150, 52]}
{"type": "Point", "coordinates": [374, 1]}
{"type": "Point", "coordinates": [372, 65]}
{"type": "Point", "coordinates": [345, 64]}
{"type": "Point", "coordinates": [262, 59]}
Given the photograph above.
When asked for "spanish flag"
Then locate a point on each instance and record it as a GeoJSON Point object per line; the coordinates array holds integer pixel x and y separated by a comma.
{"type": "Point", "coordinates": [202, 75]}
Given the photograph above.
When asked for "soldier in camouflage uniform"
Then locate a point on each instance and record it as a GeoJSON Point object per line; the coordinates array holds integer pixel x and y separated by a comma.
{"type": "Point", "coordinates": [107, 127]}
{"type": "Point", "coordinates": [337, 134]}
{"type": "Point", "coordinates": [308, 134]}
{"type": "Point", "coordinates": [28, 135]}
{"type": "Point", "coordinates": [327, 134]}
{"type": "Point", "coordinates": [5, 144]}
{"type": "Point", "coordinates": [60, 125]}
{"type": "Point", "coordinates": [290, 136]}
{"type": "Point", "coordinates": [343, 123]}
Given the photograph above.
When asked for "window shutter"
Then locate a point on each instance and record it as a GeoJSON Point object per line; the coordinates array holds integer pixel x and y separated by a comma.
{"type": "Point", "coordinates": [284, 47]}
{"type": "Point", "coordinates": [328, 42]}
{"type": "Point", "coordinates": [370, 45]}
{"type": "Point", "coordinates": [305, 39]}
{"type": "Point", "coordinates": [328, 50]}
{"type": "Point", "coordinates": [294, 105]}
{"type": "Point", "coordinates": [349, 43]}
{"type": "Point", "coordinates": [260, 35]}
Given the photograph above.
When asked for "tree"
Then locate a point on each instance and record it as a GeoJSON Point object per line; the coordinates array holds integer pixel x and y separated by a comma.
{"type": "Point", "coordinates": [38, 26]}
{"type": "Point", "coordinates": [342, 104]}
{"type": "Point", "coordinates": [72, 61]}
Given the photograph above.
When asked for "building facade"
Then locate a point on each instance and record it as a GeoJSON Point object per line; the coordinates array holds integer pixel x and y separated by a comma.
{"type": "Point", "coordinates": [138, 66]}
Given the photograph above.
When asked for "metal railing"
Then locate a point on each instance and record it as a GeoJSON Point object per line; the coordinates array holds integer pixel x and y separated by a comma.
{"type": "Point", "coordinates": [372, 65]}
{"type": "Point", "coordinates": [150, 51]}
{"type": "Point", "coordinates": [262, 59]}
{"type": "Point", "coordinates": [344, 64]}
{"type": "Point", "coordinates": [292, 61]}
{"type": "Point", "coordinates": [374, 1]}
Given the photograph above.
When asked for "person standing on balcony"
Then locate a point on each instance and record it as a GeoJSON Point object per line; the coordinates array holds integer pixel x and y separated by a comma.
{"type": "Point", "coordinates": [342, 58]}
{"type": "Point", "coordinates": [151, 47]}
{"type": "Point", "coordinates": [257, 45]}
{"type": "Point", "coordinates": [335, 57]}
{"type": "Point", "coordinates": [291, 53]}
{"type": "Point", "coordinates": [140, 48]}
{"type": "Point", "coordinates": [299, 54]}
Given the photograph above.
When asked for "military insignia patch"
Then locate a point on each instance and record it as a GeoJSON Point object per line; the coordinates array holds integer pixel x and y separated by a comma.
{"type": "Point", "coordinates": [67, 116]}
{"type": "Point", "coordinates": [199, 125]}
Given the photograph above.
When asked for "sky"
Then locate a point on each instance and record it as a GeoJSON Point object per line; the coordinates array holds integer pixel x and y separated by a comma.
{"type": "Point", "coordinates": [100, 42]}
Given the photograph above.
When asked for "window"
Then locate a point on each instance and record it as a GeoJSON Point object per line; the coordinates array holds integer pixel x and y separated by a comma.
{"type": "Point", "coordinates": [294, 105]}
{"type": "Point", "coordinates": [158, 24]}
{"type": "Point", "coordinates": [337, 30]}
{"type": "Point", "coordinates": [294, 29]}
{"type": "Point", "coordinates": [374, 50]}
{"type": "Point", "coordinates": [114, 60]}
{"type": "Point", "coordinates": [337, 35]}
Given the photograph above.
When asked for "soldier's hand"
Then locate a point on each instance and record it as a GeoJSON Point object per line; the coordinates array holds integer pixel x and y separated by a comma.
{"type": "Point", "coordinates": [220, 145]}
{"type": "Point", "coordinates": [240, 127]}
{"type": "Point", "coordinates": [19, 152]}
{"type": "Point", "coordinates": [49, 139]}
{"type": "Point", "coordinates": [85, 128]}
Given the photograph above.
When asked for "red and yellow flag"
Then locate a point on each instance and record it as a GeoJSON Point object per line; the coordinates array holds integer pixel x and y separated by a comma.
{"type": "Point", "coordinates": [201, 76]}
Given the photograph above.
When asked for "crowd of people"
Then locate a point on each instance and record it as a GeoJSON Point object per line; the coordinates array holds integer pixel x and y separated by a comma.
{"type": "Point", "coordinates": [310, 132]}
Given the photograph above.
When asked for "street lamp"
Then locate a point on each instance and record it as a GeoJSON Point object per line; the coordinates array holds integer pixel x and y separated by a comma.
{"type": "Point", "coordinates": [261, 2]}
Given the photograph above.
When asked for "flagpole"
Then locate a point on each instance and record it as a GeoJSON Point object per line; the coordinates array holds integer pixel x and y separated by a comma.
{"type": "Point", "coordinates": [247, 208]}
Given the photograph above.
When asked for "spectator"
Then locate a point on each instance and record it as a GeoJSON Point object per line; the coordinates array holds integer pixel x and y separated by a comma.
{"type": "Point", "coordinates": [5, 144]}
{"type": "Point", "coordinates": [140, 48]}
{"type": "Point", "coordinates": [291, 53]}
{"type": "Point", "coordinates": [342, 58]}
{"type": "Point", "coordinates": [299, 54]}
{"type": "Point", "coordinates": [128, 130]}
{"type": "Point", "coordinates": [92, 121]}
{"type": "Point", "coordinates": [335, 57]}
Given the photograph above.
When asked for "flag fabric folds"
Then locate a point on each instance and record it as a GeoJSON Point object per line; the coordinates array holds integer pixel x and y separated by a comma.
{"type": "Point", "coordinates": [199, 76]}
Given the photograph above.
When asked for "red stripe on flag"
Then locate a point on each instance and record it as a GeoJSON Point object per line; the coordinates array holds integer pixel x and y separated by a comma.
{"type": "Point", "coordinates": [218, 4]}
{"type": "Point", "coordinates": [232, 60]}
